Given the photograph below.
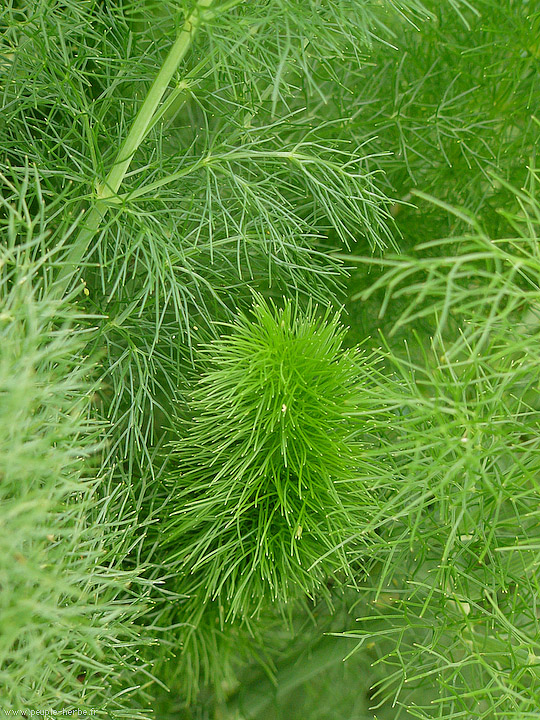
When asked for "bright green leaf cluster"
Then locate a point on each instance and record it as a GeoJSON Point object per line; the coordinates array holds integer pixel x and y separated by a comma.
{"type": "Point", "coordinates": [267, 479]}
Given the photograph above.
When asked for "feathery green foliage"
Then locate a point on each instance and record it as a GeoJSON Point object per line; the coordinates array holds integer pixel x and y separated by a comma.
{"type": "Point", "coordinates": [463, 531]}
{"type": "Point", "coordinates": [265, 468]}
{"type": "Point", "coordinates": [265, 477]}
{"type": "Point", "coordinates": [67, 616]}
{"type": "Point", "coordinates": [195, 488]}
{"type": "Point", "coordinates": [234, 194]}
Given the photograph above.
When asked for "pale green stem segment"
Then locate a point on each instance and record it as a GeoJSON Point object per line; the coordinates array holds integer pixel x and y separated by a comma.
{"type": "Point", "coordinates": [109, 188]}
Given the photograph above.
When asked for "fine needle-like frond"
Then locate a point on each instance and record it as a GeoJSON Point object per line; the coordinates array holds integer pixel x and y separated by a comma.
{"type": "Point", "coordinates": [268, 485]}
{"type": "Point", "coordinates": [461, 535]}
{"type": "Point", "coordinates": [267, 461]}
{"type": "Point", "coordinates": [66, 612]}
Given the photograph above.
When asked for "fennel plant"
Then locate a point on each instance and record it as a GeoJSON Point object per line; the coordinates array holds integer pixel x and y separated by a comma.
{"type": "Point", "coordinates": [217, 500]}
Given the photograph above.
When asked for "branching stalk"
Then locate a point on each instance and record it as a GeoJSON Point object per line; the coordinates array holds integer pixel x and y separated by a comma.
{"type": "Point", "coordinates": [143, 120]}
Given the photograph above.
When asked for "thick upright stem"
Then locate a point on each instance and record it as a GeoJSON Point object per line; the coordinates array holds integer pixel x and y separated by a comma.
{"type": "Point", "coordinates": [109, 188]}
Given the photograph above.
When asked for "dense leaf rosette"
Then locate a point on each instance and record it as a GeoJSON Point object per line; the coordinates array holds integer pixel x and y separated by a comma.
{"type": "Point", "coordinates": [267, 490]}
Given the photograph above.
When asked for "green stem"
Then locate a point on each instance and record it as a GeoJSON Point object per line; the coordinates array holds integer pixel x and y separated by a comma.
{"type": "Point", "coordinates": [143, 120]}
